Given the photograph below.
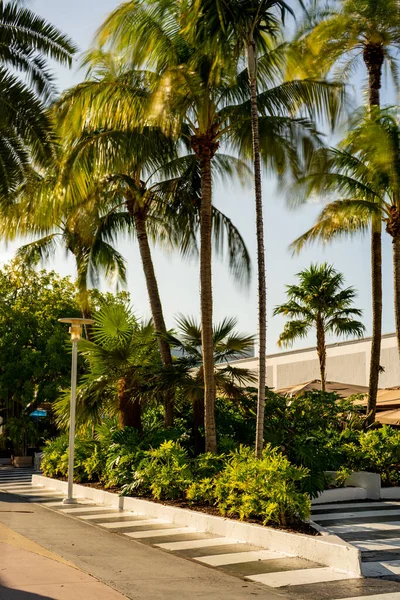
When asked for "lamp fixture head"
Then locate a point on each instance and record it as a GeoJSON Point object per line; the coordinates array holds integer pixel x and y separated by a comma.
{"type": "Point", "coordinates": [76, 326]}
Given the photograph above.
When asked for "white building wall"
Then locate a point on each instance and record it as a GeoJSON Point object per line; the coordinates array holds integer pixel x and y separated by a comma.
{"type": "Point", "coordinates": [347, 362]}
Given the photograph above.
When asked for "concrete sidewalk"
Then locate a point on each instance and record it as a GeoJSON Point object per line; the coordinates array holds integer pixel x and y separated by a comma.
{"type": "Point", "coordinates": [137, 571]}
{"type": "Point", "coordinates": [29, 572]}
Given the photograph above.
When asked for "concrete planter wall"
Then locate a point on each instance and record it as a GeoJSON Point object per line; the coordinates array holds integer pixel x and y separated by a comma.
{"type": "Point", "coordinates": [22, 462]}
{"type": "Point", "coordinates": [328, 550]}
{"type": "Point", "coordinates": [359, 486]}
{"type": "Point", "coordinates": [391, 493]}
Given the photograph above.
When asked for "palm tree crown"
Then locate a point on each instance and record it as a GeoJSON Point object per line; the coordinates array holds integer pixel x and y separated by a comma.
{"type": "Point", "coordinates": [343, 32]}
{"type": "Point", "coordinates": [319, 301]}
{"type": "Point", "coordinates": [26, 42]}
{"type": "Point", "coordinates": [364, 174]}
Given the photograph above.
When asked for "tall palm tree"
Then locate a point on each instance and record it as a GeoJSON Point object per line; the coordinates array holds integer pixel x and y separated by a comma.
{"type": "Point", "coordinates": [319, 302]}
{"type": "Point", "coordinates": [204, 95]}
{"type": "Point", "coordinates": [365, 174]}
{"type": "Point", "coordinates": [155, 191]}
{"type": "Point", "coordinates": [27, 42]}
{"type": "Point", "coordinates": [254, 25]}
{"type": "Point", "coordinates": [339, 34]}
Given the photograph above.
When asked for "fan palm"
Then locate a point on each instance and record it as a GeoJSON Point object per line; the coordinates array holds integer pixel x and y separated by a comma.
{"type": "Point", "coordinates": [339, 34]}
{"type": "Point", "coordinates": [230, 381]}
{"type": "Point", "coordinates": [119, 356]}
{"type": "Point", "coordinates": [319, 302]}
{"type": "Point", "coordinates": [203, 94]}
{"type": "Point", "coordinates": [365, 173]}
{"type": "Point", "coordinates": [26, 43]}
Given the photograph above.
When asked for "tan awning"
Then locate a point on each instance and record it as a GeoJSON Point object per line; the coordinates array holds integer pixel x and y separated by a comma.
{"type": "Point", "coordinates": [342, 389]}
{"type": "Point", "coordinates": [387, 399]}
{"type": "Point", "coordinates": [388, 417]}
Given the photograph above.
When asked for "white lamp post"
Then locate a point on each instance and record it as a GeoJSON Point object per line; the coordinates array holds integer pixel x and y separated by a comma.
{"type": "Point", "coordinates": [76, 332]}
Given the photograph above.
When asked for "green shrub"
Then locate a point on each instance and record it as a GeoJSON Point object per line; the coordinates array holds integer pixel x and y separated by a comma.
{"type": "Point", "coordinates": [122, 457]}
{"type": "Point", "coordinates": [53, 463]}
{"type": "Point", "coordinates": [268, 487]}
{"type": "Point", "coordinates": [378, 451]}
{"type": "Point", "coordinates": [88, 463]}
{"type": "Point", "coordinates": [208, 465]}
{"type": "Point", "coordinates": [313, 431]}
{"type": "Point", "coordinates": [164, 472]}
{"type": "Point", "coordinates": [202, 491]}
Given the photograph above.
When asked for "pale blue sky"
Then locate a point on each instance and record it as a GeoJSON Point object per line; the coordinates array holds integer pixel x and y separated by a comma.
{"type": "Point", "coordinates": [178, 280]}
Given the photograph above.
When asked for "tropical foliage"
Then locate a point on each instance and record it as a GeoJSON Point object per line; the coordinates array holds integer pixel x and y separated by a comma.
{"type": "Point", "coordinates": [180, 94]}
{"type": "Point", "coordinates": [35, 362]}
{"type": "Point", "coordinates": [27, 44]}
{"type": "Point", "coordinates": [338, 34]}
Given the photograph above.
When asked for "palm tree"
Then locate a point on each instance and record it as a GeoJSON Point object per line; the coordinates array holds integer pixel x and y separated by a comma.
{"type": "Point", "coordinates": [120, 357]}
{"type": "Point", "coordinates": [26, 43]}
{"type": "Point", "coordinates": [319, 302]}
{"type": "Point", "coordinates": [365, 173]}
{"type": "Point", "coordinates": [204, 96]}
{"type": "Point", "coordinates": [164, 210]}
{"type": "Point", "coordinates": [253, 25]}
{"type": "Point", "coordinates": [230, 381]}
{"type": "Point", "coordinates": [152, 190]}
{"type": "Point", "coordinates": [340, 35]}
{"type": "Point", "coordinates": [63, 213]}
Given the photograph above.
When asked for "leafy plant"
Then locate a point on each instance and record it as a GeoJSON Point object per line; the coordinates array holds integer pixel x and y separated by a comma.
{"type": "Point", "coordinates": [52, 463]}
{"type": "Point", "coordinates": [22, 432]}
{"type": "Point", "coordinates": [378, 450]}
{"type": "Point", "coordinates": [165, 472]}
{"type": "Point", "coordinates": [267, 488]}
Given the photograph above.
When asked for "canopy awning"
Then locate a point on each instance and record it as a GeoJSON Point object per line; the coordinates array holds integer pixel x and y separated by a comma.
{"type": "Point", "coordinates": [341, 389]}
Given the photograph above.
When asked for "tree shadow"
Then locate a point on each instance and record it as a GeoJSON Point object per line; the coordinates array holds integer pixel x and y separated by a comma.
{"type": "Point", "coordinates": [13, 594]}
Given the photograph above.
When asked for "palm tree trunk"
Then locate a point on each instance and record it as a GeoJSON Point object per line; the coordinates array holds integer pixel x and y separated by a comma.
{"type": "Point", "coordinates": [205, 148]}
{"type": "Point", "coordinates": [321, 351]}
{"type": "Point", "coordinates": [155, 305]}
{"type": "Point", "coordinates": [373, 57]}
{"type": "Point", "coordinates": [376, 262]}
{"type": "Point", "coordinates": [130, 411]}
{"type": "Point", "coordinates": [262, 288]}
{"type": "Point", "coordinates": [396, 279]}
{"type": "Point", "coordinates": [206, 299]}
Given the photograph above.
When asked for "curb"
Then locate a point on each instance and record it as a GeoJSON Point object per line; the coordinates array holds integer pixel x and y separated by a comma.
{"type": "Point", "coordinates": [329, 550]}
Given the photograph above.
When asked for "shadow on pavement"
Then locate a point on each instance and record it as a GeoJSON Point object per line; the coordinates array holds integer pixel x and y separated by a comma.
{"type": "Point", "coordinates": [12, 498]}
{"type": "Point", "coordinates": [11, 594]}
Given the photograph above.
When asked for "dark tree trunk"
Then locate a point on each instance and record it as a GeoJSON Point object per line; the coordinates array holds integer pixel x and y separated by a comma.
{"type": "Point", "coordinates": [393, 228]}
{"type": "Point", "coordinates": [130, 410]}
{"type": "Point", "coordinates": [198, 425]}
{"type": "Point", "coordinates": [376, 261]}
{"type": "Point", "coordinates": [155, 304]}
{"type": "Point", "coordinates": [373, 57]}
{"type": "Point", "coordinates": [396, 274]}
{"type": "Point", "coordinates": [205, 148]}
{"type": "Point", "coordinates": [262, 287]}
{"type": "Point", "coordinates": [321, 351]}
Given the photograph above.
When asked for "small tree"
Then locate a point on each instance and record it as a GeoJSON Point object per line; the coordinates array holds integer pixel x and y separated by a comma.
{"type": "Point", "coordinates": [121, 358]}
{"type": "Point", "coordinates": [320, 302]}
{"type": "Point", "coordinates": [230, 381]}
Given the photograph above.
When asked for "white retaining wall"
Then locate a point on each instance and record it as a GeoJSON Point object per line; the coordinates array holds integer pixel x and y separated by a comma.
{"type": "Point", "coordinates": [328, 550]}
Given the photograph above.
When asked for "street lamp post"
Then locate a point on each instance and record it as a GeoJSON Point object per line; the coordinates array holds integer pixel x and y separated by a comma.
{"type": "Point", "coordinates": [76, 332]}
